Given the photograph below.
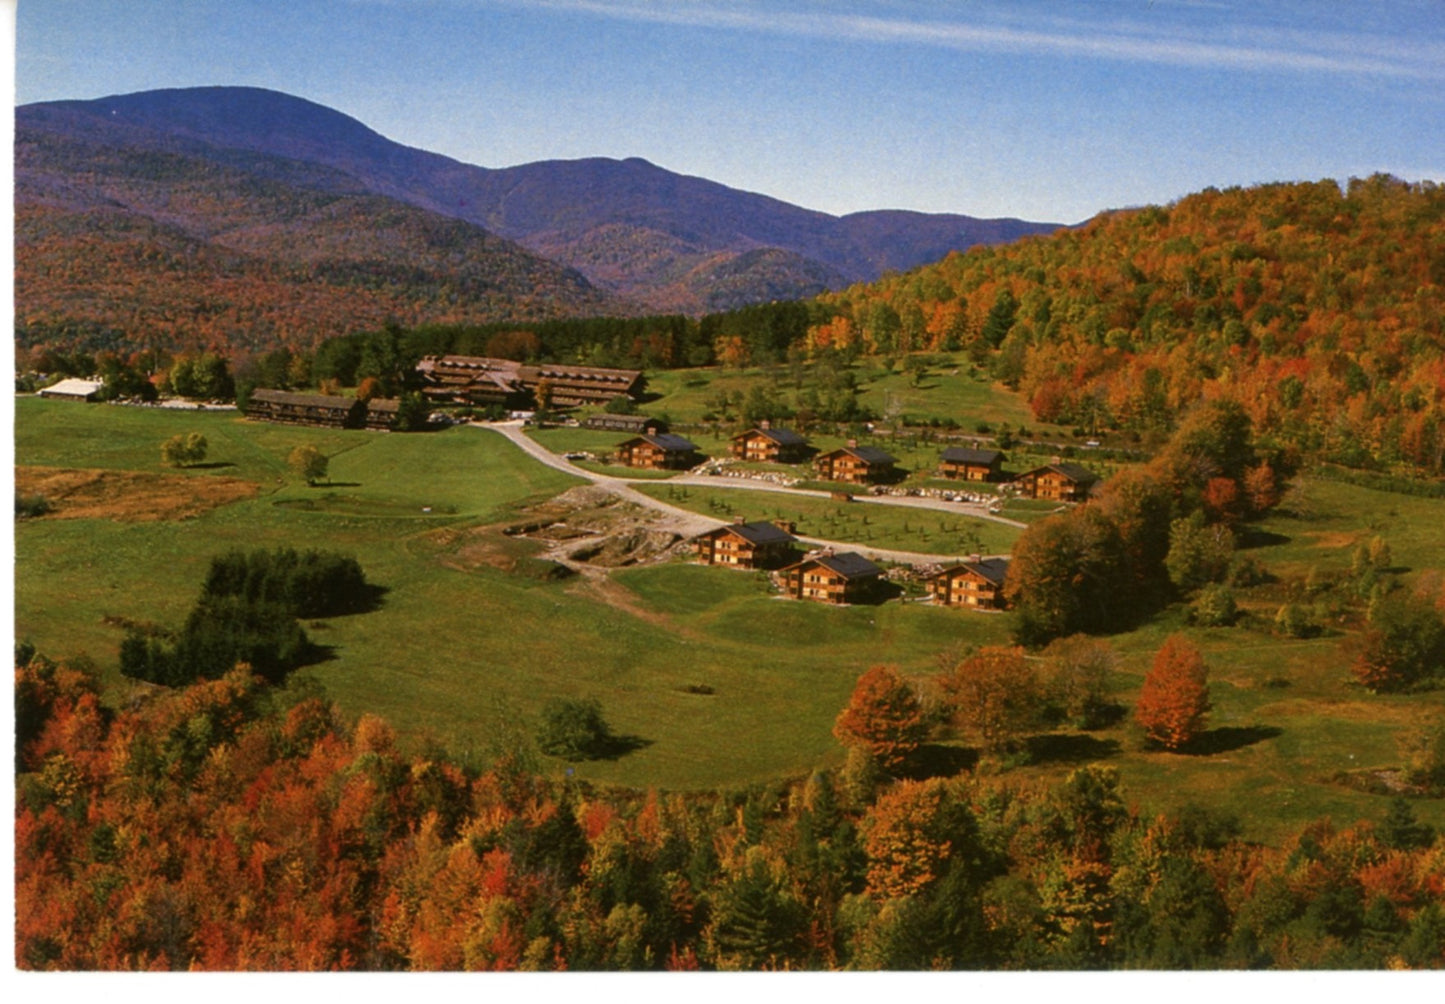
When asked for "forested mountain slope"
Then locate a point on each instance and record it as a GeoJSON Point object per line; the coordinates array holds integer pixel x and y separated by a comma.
{"type": "Point", "coordinates": [1320, 307]}
{"type": "Point", "coordinates": [125, 241]}
{"type": "Point", "coordinates": [670, 242]}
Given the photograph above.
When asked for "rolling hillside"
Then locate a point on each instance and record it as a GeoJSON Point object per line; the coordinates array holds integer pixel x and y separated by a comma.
{"type": "Point", "coordinates": [663, 241]}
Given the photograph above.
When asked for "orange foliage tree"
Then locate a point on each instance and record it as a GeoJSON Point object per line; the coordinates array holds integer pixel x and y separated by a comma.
{"type": "Point", "coordinates": [1175, 698]}
{"type": "Point", "coordinates": [884, 717]}
{"type": "Point", "coordinates": [993, 694]}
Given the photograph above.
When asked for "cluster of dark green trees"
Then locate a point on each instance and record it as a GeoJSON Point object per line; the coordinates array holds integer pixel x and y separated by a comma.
{"type": "Point", "coordinates": [248, 612]}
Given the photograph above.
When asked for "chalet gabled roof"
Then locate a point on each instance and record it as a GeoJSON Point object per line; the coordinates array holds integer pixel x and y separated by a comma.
{"type": "Point", "coordinates": [849, 564]}
{"type": "Point", "coordinates": [783, 437]}
{"type": "Point", "coordinates": [995, 570]}
{"type": "Point", "coordinates": [868, 454]}
{"type": "Point", "coordinates": [965, 455]}
{"type": "Point", "coordinates": [758, 533]}
{"type": "Point", "coordinates": [669, 442]}
{"type": "Point", "coordinates": [1074, 472]}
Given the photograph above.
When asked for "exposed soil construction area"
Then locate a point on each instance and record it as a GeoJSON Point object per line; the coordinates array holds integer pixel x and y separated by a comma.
{"type": "Point", "coordinates": [585, 529]}
{"type": "Point", "coordinates": [590, 526]}
{"type": "Point", "coordinates": [127, 496]}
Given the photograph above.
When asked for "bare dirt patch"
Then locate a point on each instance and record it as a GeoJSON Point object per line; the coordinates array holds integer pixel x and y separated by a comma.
{"type": "Point", "coordinates": [128, 496]}
{"type": "Point", "coordinates": [1332, 539]}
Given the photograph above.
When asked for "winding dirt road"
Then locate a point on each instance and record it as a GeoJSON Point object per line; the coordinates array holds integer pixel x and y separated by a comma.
{"type": "Point", "coordinates": [690, 524]}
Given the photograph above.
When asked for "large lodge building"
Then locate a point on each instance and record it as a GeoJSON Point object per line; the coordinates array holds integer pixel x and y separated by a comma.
{"type": "Point", "coordinates": [482, 380]}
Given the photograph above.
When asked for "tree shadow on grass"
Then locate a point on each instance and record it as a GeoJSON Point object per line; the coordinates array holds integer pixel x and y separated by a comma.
{"type": "Point", "coordinates": [1229, 738]}
{"type": "Point", "coordinates": [614, 748]}
{"type": "Point", "coordinates": [938, 760]}
{"type": "Point", "coordinates": [210, 466]}
{"type": "Point", "coordinates": [1253, 537]}
{"type": "Point", "coordinates": [1070, 748]}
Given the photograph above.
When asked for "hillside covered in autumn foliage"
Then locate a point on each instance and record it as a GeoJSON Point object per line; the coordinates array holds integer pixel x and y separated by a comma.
{"type": "Point", "coordinates": [1319, 306]}
{"type": "Point", "coordinates": [126, 240]}
{"type": "Point", "coordinates": [230, 826]}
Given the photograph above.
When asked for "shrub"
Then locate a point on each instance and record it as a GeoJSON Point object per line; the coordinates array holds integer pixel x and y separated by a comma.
{"type": "Point", "coordinates": [27, 506]}
{"type": "Point", "coordinates": [1214, 607]}
{"type": "Point", "coordinates": [573, 729]}
{"type": "Point", "coordinates": [1404, 643]}
{"type": "Point", "coordinates": [1294, 621]}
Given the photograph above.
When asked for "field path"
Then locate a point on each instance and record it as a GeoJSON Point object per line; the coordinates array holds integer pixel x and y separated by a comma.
{"type": "Point", "coordinates": [690, 524]}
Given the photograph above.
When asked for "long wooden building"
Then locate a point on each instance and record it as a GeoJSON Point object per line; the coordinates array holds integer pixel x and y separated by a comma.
{"type": "Point", "coordinates": [484, 380]}
{"type": "Point", "coordinates": [747, 545]}
{"type": "Point", "coordinates": [306, 409]}
{"type": "Point", "coordinates": [832, 578]}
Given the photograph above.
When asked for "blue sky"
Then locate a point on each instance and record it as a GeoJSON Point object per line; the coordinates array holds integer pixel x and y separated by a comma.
{"type": "Point", "coordinates": [1042, 110]}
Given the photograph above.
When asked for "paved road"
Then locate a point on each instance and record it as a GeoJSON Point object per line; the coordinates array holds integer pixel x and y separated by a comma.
{"type": "Point", "coordinates": [694, 523]}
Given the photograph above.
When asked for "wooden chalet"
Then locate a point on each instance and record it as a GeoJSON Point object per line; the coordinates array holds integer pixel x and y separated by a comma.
{"type": "Point", "coordinates": [306, 409]}
{"type": "Point", "coordinates": [73, 389]}
{"type": "Point", "coordinates": [382, 413]}
{"type": "Point", "coordinates": [974, 583]}
{"type": "Point", "coordinates": [747, 545]}
{"type": "Point", "coordinates": [1058, 482]}
{"type": "Point", "coordinates": [622, 423]}
{"type": "Point", "coordinates": [968, 464]}
{"type": "Point", "coordinates": [831, 578]}
{"type": "Point", "coordinates": [765, 443]}
{"type": "Point", "coordinates": [658, 451]}
{"type": "Point", "coordinates": [855, 464]}
{"type": "Point", "coordinates": [485, 380]}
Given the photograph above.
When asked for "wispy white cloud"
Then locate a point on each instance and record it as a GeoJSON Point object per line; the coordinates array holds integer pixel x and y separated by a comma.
{"type": "Point", "coordinates": [1230, 44]}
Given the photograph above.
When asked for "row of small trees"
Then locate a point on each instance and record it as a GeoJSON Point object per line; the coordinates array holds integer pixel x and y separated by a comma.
{"type": "Point", "coordinates": [998, 693]}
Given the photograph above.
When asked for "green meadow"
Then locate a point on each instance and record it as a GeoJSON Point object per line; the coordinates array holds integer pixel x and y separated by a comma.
{"type": "Point", "coordinates": [719, 682]}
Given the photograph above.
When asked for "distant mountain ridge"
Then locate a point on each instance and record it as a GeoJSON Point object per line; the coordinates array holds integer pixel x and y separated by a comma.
{"type": "Point", "coordinates": [658, 240]}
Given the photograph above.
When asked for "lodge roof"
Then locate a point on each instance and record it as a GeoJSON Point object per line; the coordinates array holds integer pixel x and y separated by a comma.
{"type": "Point", "coordinates": [1074, 472]}
{"type": "Point", "coordinates": [755, 533]}
{"type": "Point", "coordinates": [783, 437]}
{"type": "Point", "coordinates": [667, 442]}
{"type": "Point", "coordinates": [965, 455]}
{"type": "Point", "coordinates": [868, 454]}
{"type": "Point", "coordinates": [849, 564]}
{"type": "Point", "coordinates": [995, 570]}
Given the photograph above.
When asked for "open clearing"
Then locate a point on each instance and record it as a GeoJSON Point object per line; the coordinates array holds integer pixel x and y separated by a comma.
{"type": "Point", "coordinates": [128, 496]}
{"type": "Point", "coordinates": [478, 627]}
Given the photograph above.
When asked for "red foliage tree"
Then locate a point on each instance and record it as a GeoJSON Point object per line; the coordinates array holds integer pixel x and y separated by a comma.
{"type": "Point", "coordinates": [1175, 697]}
{"type": "Point", "coordinates": [883, 716]}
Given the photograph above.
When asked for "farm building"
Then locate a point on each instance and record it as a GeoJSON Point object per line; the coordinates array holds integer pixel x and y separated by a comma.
{"type": "Point", "coordinates": [73, 389]}
{"type": "Point", "coordinates": [968, 464]}
{"type": "Point", "coordinates": [831, 578]}
{"type": "Point", "coordinates": [305, 409]}
{"type": "Point", "coordinates": [657, 451]}
{"type": "Point", "coordinates": [856, 464]}
{"type": "Point", "coordinates": [1058, 482]}
{"type": "Point", "coordinates": [747, 545]}
{"type": "Point", "coordinates": [974, 583]}
{"type": "Point", "coordinates": [484, 380]}
{"type": "Point", "coordinates": [382, 413]}
{"type": "Point", "coordinates": [622, 423]}
{"type": "Point", "coordinates": [768, 444]}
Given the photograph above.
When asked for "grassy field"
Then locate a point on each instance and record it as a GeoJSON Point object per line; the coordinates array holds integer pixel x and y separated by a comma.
{"type": "Point", "coordinates": [946, 392]}
{"type": "Point", "coordinates": [928, 531]}
{"type": "Point", "coordinates": [460, 648]}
